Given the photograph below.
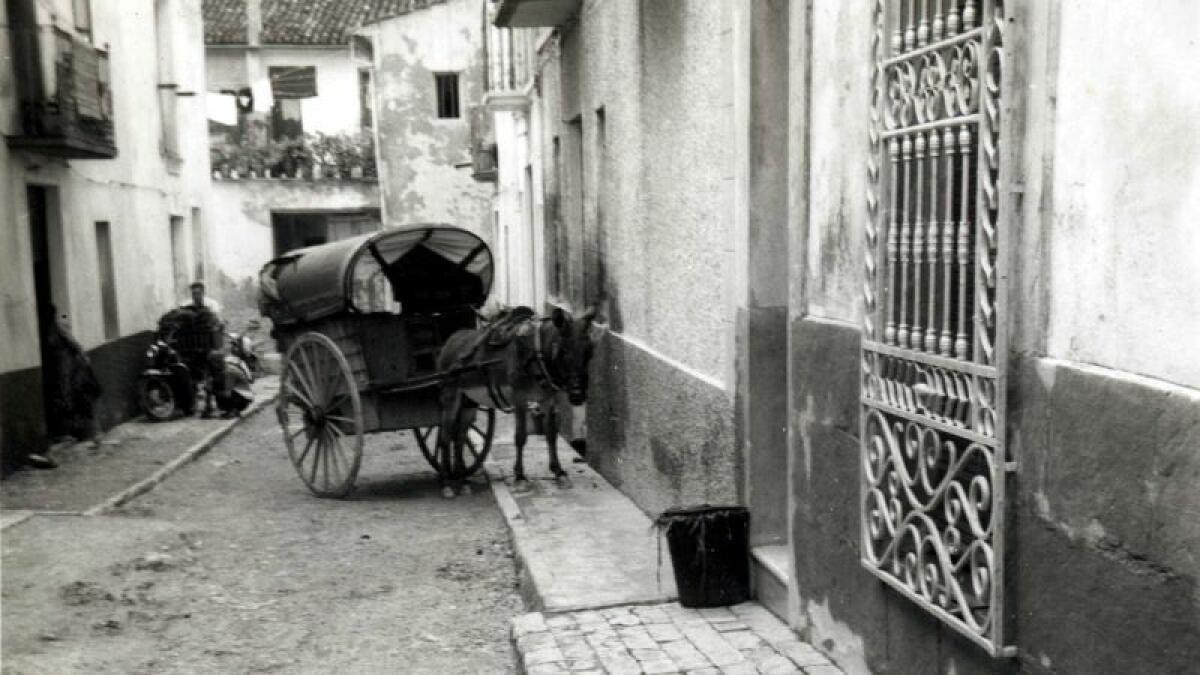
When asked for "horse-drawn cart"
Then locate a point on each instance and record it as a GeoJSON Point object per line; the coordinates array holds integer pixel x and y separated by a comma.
{"type": "Point", "coordinates": [360, 323]}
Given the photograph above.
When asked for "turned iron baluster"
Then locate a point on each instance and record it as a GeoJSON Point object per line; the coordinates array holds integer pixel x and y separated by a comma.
{"type": "Point", "coordinates": [964, 242]}
{"type": "Point", "coordinates": [906, 151]}
{"type": "Point", "coordinates": [945, 344]}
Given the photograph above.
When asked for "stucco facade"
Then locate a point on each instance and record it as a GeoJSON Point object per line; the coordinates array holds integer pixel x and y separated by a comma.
{"type": "Point", "coordinates": [246, 209]}
{"type": "Point", "coordinates": [617, 226]}
{"type": "Point", "coordinates": [709, 168]}
{"type": "Point", "coordinates": [424, 160]}
{"type": "Point", "coordinates": [1103, 414]}
{"type": "Point", "coordinates": [154, 205]}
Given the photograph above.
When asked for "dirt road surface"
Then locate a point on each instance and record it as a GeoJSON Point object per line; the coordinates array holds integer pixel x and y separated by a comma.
{"type": "Point", "coordinates": [231, 566]}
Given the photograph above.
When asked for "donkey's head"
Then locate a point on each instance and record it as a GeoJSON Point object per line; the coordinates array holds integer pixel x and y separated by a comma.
{"type": "Point", "coordinates": [572, 350]}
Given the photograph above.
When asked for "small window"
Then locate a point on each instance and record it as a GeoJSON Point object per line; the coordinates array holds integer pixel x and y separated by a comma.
{"type": "Point", "coordinates": [447, 94]}
{"type": "Point", "coordinates": [108, 287]}
{"type": "Point", "coordinates": [83, 17]}
{"type": "Point", "coordinates": [293, 81]}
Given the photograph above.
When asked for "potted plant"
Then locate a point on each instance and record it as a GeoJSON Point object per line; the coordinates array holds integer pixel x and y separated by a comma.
{"type": "Point", "coordinates": [218, 154]}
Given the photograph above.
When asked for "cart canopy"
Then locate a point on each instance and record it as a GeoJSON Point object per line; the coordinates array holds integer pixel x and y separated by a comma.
{"type": "Point", "coordinates": [420, 269]}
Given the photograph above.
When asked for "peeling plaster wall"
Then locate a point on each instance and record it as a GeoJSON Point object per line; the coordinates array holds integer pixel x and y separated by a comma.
{"type": "Point", "coordinates": [1104, 545]}
{"type": "Point", "coordinates": [417, 151]}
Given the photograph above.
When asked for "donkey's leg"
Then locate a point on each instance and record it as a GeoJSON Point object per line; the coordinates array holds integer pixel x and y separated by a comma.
{"type": "Point", "coordinates": [521, 411]}
{"type": "Point", "coordinates": [451, 399]}
{"type": "Point", "coordinates": [462, 423]}
{"type": "Point", "coordinates": [551, 421]}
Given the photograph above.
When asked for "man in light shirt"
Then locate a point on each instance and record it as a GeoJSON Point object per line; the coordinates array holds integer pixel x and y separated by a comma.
{"type": "Point", "coordinates": [199, 299]}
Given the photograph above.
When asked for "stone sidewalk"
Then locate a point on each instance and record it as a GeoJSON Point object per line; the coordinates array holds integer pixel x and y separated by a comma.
{"type": "Point", "coordinates": [664, 638]}
{"type": "Point", "coordinates": [579, 547]}
{"type": "Point", "coordinates": [589, 561]}
{"type": "Point", "coordinates": [134, 457]}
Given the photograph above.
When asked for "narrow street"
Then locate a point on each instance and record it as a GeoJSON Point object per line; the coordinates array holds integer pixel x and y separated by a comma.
{"type": "Point", "coordinates": [232, 566]}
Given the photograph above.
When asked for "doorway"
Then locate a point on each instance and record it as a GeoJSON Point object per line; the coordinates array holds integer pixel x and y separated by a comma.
{"type": "Point", "coordinates": [42, 203]}
{"type": "Point", "coordinates": [300, 229]}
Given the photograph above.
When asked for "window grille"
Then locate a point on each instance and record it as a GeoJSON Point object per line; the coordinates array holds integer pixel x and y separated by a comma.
{"type": "Point", "coordinates": [934, 462]}
{"type": "Point", "coordinates": [446, 85]}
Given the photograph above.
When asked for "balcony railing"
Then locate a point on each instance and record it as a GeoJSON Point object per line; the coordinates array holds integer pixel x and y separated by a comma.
{"type": "Point", "coordinates": [66, 96]}
{"type": "Point", "coordinates": [511, 55]}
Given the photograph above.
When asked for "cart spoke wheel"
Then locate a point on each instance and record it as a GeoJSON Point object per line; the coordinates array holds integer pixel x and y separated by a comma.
{"type": "Point", "coordinates": [426, 439]}
{"type": "Point", "coordinates": [320, 413]}
{"type": "Point", "coordinates": [477, 442]}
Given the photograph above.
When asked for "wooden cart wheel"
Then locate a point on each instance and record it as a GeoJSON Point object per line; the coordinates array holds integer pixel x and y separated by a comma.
{"type": "Point", "coordinates": [321, 414]}
{"type": "Point", "coordinates": [476, 448]}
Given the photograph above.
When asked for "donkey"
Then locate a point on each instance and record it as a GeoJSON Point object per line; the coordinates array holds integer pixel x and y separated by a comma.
{"type": "Point", "coordinates": [521, 360]}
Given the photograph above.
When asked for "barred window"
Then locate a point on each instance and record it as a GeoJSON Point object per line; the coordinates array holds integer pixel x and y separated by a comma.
{"type": "Point", "coordinates": [934, 463]}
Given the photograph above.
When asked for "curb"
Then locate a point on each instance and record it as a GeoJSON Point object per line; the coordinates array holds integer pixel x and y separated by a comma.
{"type": "Point", "coordinates": [17, 519]}
{"type": "Point", "coordinates": [191, 454]}
{"type": "Point", "coordinates": [526, 586]}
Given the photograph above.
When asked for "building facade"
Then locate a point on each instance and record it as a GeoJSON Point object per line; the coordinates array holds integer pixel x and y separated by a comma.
{"type": "Point", "coordinates": [291, 128]}
{"type": "Point", "coordinates": [507, 151]}
{"type": "Point", "coordinates": [104, 175]}
{"type": "Point", "coordinates": [907, 279]}
{"type": "Point", "coordinates": [429, 65]}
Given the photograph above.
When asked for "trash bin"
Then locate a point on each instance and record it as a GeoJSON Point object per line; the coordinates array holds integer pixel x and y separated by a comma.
{"type": "Point", "coordinates": [710, 553]}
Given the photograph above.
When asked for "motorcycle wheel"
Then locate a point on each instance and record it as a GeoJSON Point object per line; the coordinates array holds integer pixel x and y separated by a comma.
{"type": "Point", "coordinates": [157, 398]}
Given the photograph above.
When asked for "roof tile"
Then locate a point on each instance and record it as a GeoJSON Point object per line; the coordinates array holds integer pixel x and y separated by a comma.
{"type": "Point", "coordinates": [301, 22]}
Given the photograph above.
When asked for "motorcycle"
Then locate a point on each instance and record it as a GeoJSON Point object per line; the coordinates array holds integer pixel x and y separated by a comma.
{"type": "Point", "coordinates": [183, 366]}
{"type": "Point", "coordinates": [241, 346]}
{"type": "Point", "coordinates": [166, 384]}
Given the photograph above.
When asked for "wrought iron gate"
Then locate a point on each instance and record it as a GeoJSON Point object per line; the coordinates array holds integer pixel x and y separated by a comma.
{"type": "Point", "coordinates": [933, 361]}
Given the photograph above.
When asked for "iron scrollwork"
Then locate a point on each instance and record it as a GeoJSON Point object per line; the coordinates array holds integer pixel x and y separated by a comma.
{"type": "Point", "coordinates": [933, 451]}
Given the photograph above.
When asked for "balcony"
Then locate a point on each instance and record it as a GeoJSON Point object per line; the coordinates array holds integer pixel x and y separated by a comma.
{"type": "Point", "coordinates": [65, 95]}
{"type": "Point", "coordinates": [535, 13]}
{"type": "Point", "coordinates": [511, 56]}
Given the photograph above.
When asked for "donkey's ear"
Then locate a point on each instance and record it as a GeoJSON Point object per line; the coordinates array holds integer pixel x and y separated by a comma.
{"type": "Point", "coordinates": [559, 317]}
{"type": "Point", "coordinates": [597, 313]}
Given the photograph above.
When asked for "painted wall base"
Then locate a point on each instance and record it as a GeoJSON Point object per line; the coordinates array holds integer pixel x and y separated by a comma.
{"type": "Point", "coordinates": [22, 419]}
{"type": "Point", "coordinates": [662, 436]}
{"type": "Point", "coordinates": [1105, 545]}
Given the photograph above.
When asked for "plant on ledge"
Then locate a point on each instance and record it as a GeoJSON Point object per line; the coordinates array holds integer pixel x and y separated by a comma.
{"type": "Point", "coordinates": [316, 155]}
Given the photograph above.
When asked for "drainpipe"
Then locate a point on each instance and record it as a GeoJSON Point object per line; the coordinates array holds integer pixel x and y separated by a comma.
{"type": "Point", "coordinates": [253, 22]}
{"type": "Point", "coordinates": [253, 41]}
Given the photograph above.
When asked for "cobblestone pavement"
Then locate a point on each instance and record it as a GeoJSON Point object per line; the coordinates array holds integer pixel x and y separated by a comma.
{"type": "Point", "coordinates": [664, 638]}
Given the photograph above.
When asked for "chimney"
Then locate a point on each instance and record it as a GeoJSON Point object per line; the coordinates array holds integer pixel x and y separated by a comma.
{"type": "Point", "coordinates": [253, 22]}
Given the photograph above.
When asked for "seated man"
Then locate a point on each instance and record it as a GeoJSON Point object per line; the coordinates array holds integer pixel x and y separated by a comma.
{"type": "Point", "coordinates": [208, 319]}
